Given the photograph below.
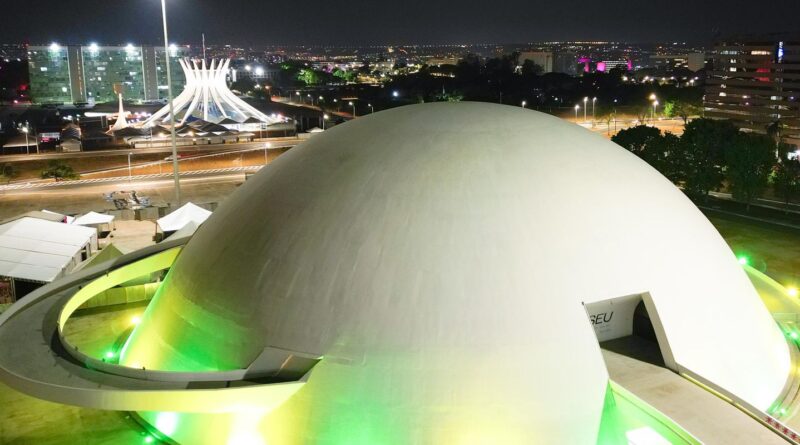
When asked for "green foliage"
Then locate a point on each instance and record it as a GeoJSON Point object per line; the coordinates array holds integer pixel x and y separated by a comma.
{"type": "Point", "coordinates": [309, 76]}
{"type": "Point", "coordinates": [661, 151]}
{"type": "Point", "coordinates": [346, 75]}
{"type": "Point", "coordinates": [786, 177]}
{"type": "Point", "coordinates": [704, 143]}
{"type": "Point", "coordinates": [750, 159]}
{"type": "Point", "coordinates": [59, 170]}
{"type": "Point", "coordinates": [7, 173]}
{"type": "Point", "coordinates": [680, 108]}
{"type": "Point", "coordinates": [453, 96]}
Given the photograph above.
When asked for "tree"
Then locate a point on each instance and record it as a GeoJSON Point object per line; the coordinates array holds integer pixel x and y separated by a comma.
{"type": "Point", "coordinates": [750, 159]}
{"type": "Point", "coordinates": [243, 85]}
{"type": "Point", "coordinates": [643, 141]}
{"type": "Point", "coordinates": [59, 170]}
{"type": "Point", "coordinates": [786, 179]}
{"type": "Point", "coordinates": [309, 76]}
{"type": "Point", "coordinates": [661, 151]}
{"type": "Point", "coordinates": [531, 69]}
{"type": "Point", "coordinates": [7, 173]}
{"type": "Point", "coordinates": [680, 108]}
{"type": "Point", "coordinates": [703, 145]}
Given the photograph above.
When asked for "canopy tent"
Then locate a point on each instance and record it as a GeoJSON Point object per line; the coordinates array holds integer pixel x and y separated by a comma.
{"type": "Point", "coordinates": [180, 218]}
{"type": "Point", "coordinates": [93, 219]}
{"type": "Point", "coordinates": [185, 231]}
{"type": "Point", "coordinates": [64, 218]}
{"type": "Point", "coordinates": [37, 250]}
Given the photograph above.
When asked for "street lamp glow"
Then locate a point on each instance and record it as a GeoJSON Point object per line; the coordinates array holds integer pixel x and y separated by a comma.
{"type": "Point", "coordinates": [93, 47]}
{"type": "Point", "coordinates": [55, 46]}
{"type": "Point", "coordinates": [792, 291]}
{"type": "Point", "coordinates": [395, 94]}
{"type": "Point", "coordinates": [248, 67]}
{"type": "Point", "coordinates": [743, 260]}
{"type": "Point", "coordinates": [129, 47]}
{"type": "Point", "coordinates": [524, 103]}
{"type": "Point", "coordinates": [259, 71]}
{"type": "Point", "coordinates": [653, 96]}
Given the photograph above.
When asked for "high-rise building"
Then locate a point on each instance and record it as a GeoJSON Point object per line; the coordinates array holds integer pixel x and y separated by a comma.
{"type": "Point", "coordinates": [755, 83]}
{"type": "Point", "coordinates": [81, 74]}
{"type": "Point", "coordinates": [542, 58]}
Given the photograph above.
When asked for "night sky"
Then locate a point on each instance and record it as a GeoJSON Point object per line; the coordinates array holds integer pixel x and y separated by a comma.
{"type": "Point", "coordinates": [343, 22]}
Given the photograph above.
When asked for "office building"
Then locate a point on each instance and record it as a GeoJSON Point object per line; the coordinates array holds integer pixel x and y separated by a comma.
{"type": "Point", "coordinates": [90, 74]}
{"type": "Point", "coordinates": [755, 83]}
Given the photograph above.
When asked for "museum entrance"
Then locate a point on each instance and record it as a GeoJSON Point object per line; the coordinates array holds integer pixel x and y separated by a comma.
{"type": "Point", "coordinates": [624, 325]}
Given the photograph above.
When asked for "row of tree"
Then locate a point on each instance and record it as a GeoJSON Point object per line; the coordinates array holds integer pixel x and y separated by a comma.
{"type": "Point", "coordinates": [713, 153]}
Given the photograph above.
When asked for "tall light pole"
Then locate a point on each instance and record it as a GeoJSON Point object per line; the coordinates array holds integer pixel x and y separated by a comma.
{"type": "Point", "coordinates": [655, 104]}
{"type": "Point", "coordinates": [324, 118]}
{"type": "Point", "coordinates": [267, 146]}
{"type": "Point", "coordinates": [372, 109]}
{"type": "Point", "coordinates": [594, 100]}
{"type": "Point", "coordinates": [585, 100]}
{"type": "Point", "coordinates": [352, 104]}
{"type": "Point", "coordinates": [171, 109]}
{"type": "Point", "coordinates": [577, 107]}
{"type": "Point", "coordinates": [523, 104]}
{"type": "Point", "coordinates": [130, 171]}
{"type": "Point", "coordinates": [27, 146]}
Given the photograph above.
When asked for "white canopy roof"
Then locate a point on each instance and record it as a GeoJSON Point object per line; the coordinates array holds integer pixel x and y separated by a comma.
{"type": "Point", "coordinates": [39, 250]}
{"type": "Point", "coordinates": [184, 215]}
{"type": "Point", "coordinates": [67, 219]}
{"type": "Point", "coordinates": [93, 218]}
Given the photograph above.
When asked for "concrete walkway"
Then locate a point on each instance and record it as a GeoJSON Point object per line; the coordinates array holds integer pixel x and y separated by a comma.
{"type": "Point", "coordinates": [707, 417]}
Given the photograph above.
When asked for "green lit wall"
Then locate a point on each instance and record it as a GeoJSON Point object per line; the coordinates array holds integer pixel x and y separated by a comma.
{"type": "Point", "coordinates": [106, 66]}
{"type": "Point", "coordinates": [49, 74]}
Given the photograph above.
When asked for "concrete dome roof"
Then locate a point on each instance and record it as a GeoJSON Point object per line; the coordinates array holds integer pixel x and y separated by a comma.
{"type": "Point", "coordinates": [438, 256]}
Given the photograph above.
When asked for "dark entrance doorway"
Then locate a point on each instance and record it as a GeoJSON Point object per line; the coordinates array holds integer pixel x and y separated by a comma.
{"type": "Point", "coordinates": [642, 344]}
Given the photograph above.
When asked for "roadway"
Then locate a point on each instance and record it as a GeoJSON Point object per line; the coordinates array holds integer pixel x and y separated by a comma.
{"type": "Point", "coordinates": [167, 150]}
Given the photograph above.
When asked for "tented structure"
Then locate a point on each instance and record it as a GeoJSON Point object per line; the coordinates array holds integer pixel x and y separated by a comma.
{"type": "Point", "coordinates": [93, 219]}
{"type": "Point", "coordinates": [189, 213]}
{"type": "Point", "coordinates": [207, 96]}
{"type": "Point", "coordinates": [39, 251]}
{"type": "Point", "coordinates": [122, 122]}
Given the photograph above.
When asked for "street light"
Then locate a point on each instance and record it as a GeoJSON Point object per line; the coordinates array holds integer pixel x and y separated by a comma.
{"type": "Point", "coordinates": [27, 146]}
{"type": "Point", "coordinates": [352, 104]}
{"type": "Point", "coordinates": [594, 100]}
{"type": "Point", "coordinates": [171, 108]}
{"type": "Point", "coordinates": [577, 107]}
{"type": "Point", "coordinates": [524, 103]}
{"type": "Point", "coordinates": [372, 109]}
{"type": "Point", "coordinates": [585, 99]}
{"type": "Point", "coordinates": [324, 118]}
{"type": "Point", "coordinates": [130, 171]}
{"type": "Point", "coordinates": [655, 104]}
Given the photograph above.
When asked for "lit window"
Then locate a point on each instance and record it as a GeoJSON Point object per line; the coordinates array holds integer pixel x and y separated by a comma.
{"type": "Point", "coordinates": [44, 68]}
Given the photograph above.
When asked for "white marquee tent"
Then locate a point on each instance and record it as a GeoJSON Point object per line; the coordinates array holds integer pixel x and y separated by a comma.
{"type": "Point", "coordinates": [189, 213]}
{"type": "Point", "coordinates": [36, 250]}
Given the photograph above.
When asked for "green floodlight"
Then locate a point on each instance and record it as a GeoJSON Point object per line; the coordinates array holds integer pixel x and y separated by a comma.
{"type": "Point", "coordinates": [110, 354]}
{"type": "Point", "coordinates": [148, 439]}
{"type": "Point", "coordinates": [743, 260]}
{"type": "Point", "coordinates": [793, 335]}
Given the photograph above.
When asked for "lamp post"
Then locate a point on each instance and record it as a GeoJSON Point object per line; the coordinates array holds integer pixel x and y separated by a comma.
{"type": "Point", "coordinates": [352, 104]}
{"type": "Point", "coordinates": [577, 107]}
{"type": "Point", "coordinates": [655, 104]}
{"type": "Point", "coordinates": [27, 147]}
{"type": "Point", "coordinates": [594, 100]}
{"type": "Point", "coordinates": [523, 104]}
{"type": "Point", "coordinates": [324, 118]}
{"type": "Point", "coordinates": [585, 100]}
{"type": "Point", "coordinates": [130, 171]}
{"type": "Point", "coordinates": [267, 146]}
{"type": "Point", "coordinates": [171, 108]}
{"type": "Point", "coordinates": [371, 108]}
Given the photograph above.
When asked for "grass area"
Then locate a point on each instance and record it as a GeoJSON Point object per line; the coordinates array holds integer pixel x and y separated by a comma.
{"type": "Point", "coordinates": [773, 250]}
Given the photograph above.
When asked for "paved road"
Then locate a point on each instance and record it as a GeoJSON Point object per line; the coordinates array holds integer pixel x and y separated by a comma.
{"type": "Point", "coordinates": [190, 149]}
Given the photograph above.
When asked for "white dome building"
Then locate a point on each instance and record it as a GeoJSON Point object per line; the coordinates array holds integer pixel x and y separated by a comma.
{"type": "Point", "coordinates": [438, 258]}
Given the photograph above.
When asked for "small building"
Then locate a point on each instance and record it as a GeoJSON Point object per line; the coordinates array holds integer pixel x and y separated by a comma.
{"type": "Point", "coordinates": [35, 251]}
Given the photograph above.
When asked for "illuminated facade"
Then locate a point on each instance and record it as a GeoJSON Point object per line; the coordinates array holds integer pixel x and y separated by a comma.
{"type": "Point", "coordinates": [755, 83]}
{"type": "Point", "coordinates": [206, 96]}
{"type": "Point", "coordinates": [427, 274]}
{"type": "Point", "coordinates": [89, 74]}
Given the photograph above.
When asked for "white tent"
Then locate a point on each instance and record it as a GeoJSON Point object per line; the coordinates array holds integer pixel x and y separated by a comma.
{"type": "Point", "coordinates": [66, 218]}
{"type": "Point", "coordinates": [183, 216]}
{"type": "Point", "coordinates": [185, 231]}
{"type": "Point", "coordinates": [37, 250]}
{"type": "Point", "coordinates": [93, 219]}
